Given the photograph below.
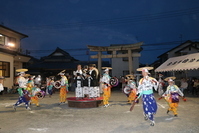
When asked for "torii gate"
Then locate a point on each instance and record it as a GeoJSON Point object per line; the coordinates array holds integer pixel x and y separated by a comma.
{"type": "Point", "coordinates": [130, 48]}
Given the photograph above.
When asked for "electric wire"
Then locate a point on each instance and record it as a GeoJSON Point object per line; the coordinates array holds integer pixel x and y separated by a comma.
{"type": "Point", "coordinates": [131, 19]}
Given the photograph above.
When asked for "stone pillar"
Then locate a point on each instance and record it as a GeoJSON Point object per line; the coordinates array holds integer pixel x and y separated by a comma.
{"type": "Point", "coordinates": [130, 61]}
{"type": "Point", "coordinates": [99, 66]}
{"type": "Point", "coordinates": [135, 64]}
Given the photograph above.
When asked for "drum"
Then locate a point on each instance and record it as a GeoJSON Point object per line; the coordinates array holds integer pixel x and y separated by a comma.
{"type": "Point", "coordinates": [114, 81]}
{"type": "Point", "coordinates": [40, 94]}
{"type": "Point", "coordinates": [127, 90]}
{"type": "Point", "coordinates": [35, 90]}
{"type": "Point", "coordinates": [57, 84]}
{"type": "Point", "coordinates": [174, 97]}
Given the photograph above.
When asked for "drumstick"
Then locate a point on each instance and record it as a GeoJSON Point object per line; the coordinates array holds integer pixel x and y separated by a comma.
{"type": "Point", "coordinates": [132, 105]}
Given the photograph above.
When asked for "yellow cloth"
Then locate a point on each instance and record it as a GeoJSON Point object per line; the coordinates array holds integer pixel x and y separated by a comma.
{"type": "Point", "coordinates": [106, 95]}
{"type": "Point", "coordinates": [35, 100]}
{"type": "Point", "coordinates": [132, 95]}
{"type": "Point", "coordinates": [63, 94]}
{"type": "Point", "coordinates": [172, 106]}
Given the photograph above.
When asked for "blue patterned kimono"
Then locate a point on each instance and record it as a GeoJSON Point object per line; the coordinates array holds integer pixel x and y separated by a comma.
{"type": "Point", "coordinates": [145, 89]}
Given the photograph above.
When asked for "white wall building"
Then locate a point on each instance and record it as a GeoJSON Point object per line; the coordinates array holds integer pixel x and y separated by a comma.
{"type": "Point", "coordinates": [10, 56]}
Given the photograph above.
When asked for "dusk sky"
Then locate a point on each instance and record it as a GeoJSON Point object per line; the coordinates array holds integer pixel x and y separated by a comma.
{"type": "Point", "coordinates": [73, 24]}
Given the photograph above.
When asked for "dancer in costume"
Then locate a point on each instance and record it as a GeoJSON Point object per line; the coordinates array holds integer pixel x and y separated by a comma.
{"type": "Point", "coordinates": [78, 82]}
{"type": "Point", "coordinates": [24, 98]}
{"type": "Point", "coordinates": [31, 90]}
{"type": "Point", "coordinates": [92, 81]}
{"type": "Point", "coordinates": [47, 84]}
{"type": "Point", "coordinates": [171, 95]}
{"type": "Point", "coordinates": [30, 83]}
{"type": "Point", "coordinates": [145, 89]}
{"type": "Point", "coordinates": [22, 82]}
{"type": "Point", "coordinates": [38, 81]}
{"type": "Point", "coordinates": [96, 87]}
{"type": "Point", "coordinates": [126, 88]}
{"type": "Point", "coordinates": [106, 87]}
{"type": "Point", "coordinates": [133, 89]}
{"type": "Point", "coordinates": [50, 86]}
{"type": "Point", "coordinates": [161, 85]}
{"type": "Point", "coordinates": [34, 97]}
{"type": "Point", "coordinates": [101, 84]}
{"type": "Point", "coordinates": [123, 82]}
{"type": "Point", "coordinates": [23, 93]}
{"type": "Point", "coordinates": [85, 81]}
{"type": "Point", "coordinates": [64, 87]}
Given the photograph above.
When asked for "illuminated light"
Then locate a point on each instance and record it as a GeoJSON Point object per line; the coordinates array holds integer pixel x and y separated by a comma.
{"type": "Point", "coordinates": [11, 44]}
{"type": "Point", "coordinates": [1, 35]}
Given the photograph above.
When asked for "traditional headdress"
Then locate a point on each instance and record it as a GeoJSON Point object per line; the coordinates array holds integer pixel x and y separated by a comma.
{"type": "Point", "coordinates": [21, 71]}
{"type": "Point", "coordinates": [62, 72]}
{"type": "Point", "coordinates": [160, 75]}
{"type": "Point", "coordinates": [27, 75]}
{"type": "Point", "coordinates": [145, 69]}
{"type": "Point", "coordinates": [170, 79]}
{"type": "Point", "coordinates": [130, 76]}
{"type": "Point", "coordinates": [106, 68]}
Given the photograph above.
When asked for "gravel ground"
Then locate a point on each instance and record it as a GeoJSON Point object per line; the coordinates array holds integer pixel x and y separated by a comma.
{"type": "Point", "coordinates": [53, 118]}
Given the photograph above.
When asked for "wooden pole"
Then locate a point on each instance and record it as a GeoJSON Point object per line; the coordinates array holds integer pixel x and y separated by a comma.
{"type": "Point", "coordinates": [99, 61]}
{"type": "Point", "coordinates": [130, 61]}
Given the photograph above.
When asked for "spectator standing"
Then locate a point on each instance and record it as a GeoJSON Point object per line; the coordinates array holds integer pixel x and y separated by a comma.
{"type": "Point", "coordinates": [183, 85]}
{"type": "Point", "coordinates": [196, 87]}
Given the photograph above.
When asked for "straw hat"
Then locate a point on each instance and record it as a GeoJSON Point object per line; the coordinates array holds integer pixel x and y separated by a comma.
{"type": "Point", "coordinates": [170, 79]}
{"type": "Point", "coordinates": [27, 75]}
{"type": "Point", "coordinates": [160, 75]}
{"type": "Point", "coordinates": [145, 69]}
{"type": "Point", "coordinates": [62, 72]}
{"type": "Point", "coordinates": [21, 70]}
{"type": "Point", "coordinates": [130, 76]}
{"type": "Point", "coordinates": [106, 68]}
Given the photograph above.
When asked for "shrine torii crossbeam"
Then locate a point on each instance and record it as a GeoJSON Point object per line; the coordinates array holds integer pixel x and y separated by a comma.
{"type": "Point", "coordinates": [132, 50]}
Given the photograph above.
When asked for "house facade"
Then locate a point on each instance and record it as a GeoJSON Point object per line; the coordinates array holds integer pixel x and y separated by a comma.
{"type": "Point", "coordinates": [121, 65]}
{"type": "Point", "coordinates": [11, 57]}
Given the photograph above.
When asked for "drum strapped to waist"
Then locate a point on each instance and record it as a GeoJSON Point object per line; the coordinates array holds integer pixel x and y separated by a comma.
{"type": "Point", "coordinates": [114, 81]}
{"type": "Point", "coordinates": [40, 94]}
{"type": "Point", "coordinates": [57, 84]}
{"type": "Point", "coordinates": [127, 90]}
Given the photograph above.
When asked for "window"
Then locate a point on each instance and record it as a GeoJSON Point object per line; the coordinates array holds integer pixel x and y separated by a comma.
{"type": "Point", "coordinates": [125, 59]}
{"type": "Point", "coordinates": [12, 40]}
{"type": "Point", "coordinates": [2, 40]}
{"type": "Point", "coordinates": [4, 69]}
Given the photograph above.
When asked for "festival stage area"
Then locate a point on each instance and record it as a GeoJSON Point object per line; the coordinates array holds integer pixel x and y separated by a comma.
{"type": "Point", "coordinates": [84, 102]}
{"type": "Point", "coordinates": [51, 117]}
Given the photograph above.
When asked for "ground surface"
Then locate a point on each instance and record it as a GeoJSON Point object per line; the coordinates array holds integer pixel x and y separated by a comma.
{"type": "Point", "coordinates": [53, 118]}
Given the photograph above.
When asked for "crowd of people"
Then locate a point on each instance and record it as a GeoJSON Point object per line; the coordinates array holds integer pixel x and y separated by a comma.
{"type": "Point", "coordinates": [88, 84]}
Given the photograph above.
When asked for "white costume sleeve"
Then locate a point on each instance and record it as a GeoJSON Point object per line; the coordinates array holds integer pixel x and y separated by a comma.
{"type": "Point", "coordinates": [106, 79]}
{"type": "Point", "coordinates": [1, 87]}
{"type": "Point", "coordinates": [22, 82]}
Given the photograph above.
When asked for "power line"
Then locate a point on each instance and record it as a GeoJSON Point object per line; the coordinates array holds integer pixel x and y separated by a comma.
{"type": "Point", "coordinates": [131, 19]}
{"type": "Point", "coordinates": [44, 51]}
{"type": "Point", "coordinates": [85, 49]}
